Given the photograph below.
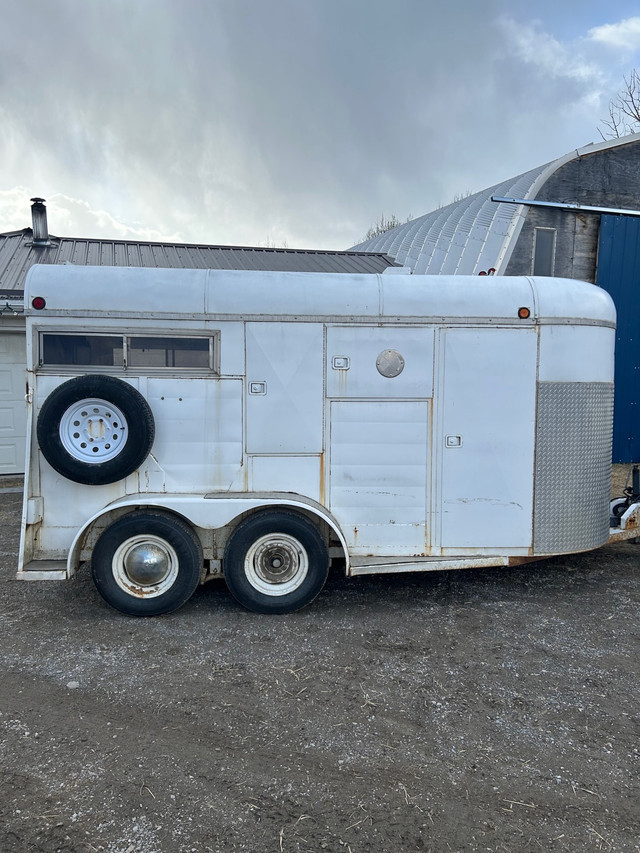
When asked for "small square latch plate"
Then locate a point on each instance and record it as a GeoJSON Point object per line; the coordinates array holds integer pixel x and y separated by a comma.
{"type": "Point", "coordinates": [453, 441]}
{"type": "Point", "coordinates": [258, 388]}
{"type": "Point", "coordinates": [340, 362]}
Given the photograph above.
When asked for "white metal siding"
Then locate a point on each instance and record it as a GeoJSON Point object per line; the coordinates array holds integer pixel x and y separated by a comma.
{"type": "Point", "coordinates": [198, 442]}
{"type": "Point", "coordinates": [559, 346]}
{"type": "Point", "coordinates": [299, 474]}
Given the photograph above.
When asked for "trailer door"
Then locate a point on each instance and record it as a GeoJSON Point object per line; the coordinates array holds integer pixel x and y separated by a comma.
{"type": "Point", "coordinates": [380, 438]}
{"type": "Point", "coordinates": [379, 475]}
{"type": "Point", "coordinates": [487, 438]}
{"type": "Point", "coordinates": [284, 388]}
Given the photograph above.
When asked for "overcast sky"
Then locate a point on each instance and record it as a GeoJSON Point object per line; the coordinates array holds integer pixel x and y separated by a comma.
{"type": "Point", "coordinates": [297, 122]}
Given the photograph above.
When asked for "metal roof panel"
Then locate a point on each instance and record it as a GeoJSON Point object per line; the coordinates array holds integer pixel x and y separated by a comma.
{"type": "Point", "coordinates": [17, 255]}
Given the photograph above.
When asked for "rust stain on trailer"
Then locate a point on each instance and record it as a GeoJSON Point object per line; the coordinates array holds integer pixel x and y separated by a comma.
{"type": "Point", "coordinates": [342, 382]}
{"type": "Point", "coordinates": [521, 561]}
{"type": "Point", "coordinates": [322, 488]}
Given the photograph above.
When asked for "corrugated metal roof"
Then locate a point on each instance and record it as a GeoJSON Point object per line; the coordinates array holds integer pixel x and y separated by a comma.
{"type": "Point", "coordinates": [17, 255]}
{"type": "Point", "coordinates": [461, 238]}
{"type": "Point", "coordinates": [475, 233]}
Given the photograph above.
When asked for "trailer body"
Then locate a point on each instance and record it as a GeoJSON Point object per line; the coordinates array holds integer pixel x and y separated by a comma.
{"type": "Point", "coordinates": [411, 422]}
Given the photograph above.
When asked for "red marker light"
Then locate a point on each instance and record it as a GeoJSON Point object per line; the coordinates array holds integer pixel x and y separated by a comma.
{"type": "Point", "coordinates": [38, 302]}
{"type": "Point", "coordinates": [524, 313]}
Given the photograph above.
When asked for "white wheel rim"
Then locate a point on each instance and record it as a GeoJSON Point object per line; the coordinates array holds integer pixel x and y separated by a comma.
{"type": "Point", "coordinates": [276, 564]}
{"type": "Point", "coordinates": [145, 566]}
{"type": "Point", "coordinates": [93, 431]}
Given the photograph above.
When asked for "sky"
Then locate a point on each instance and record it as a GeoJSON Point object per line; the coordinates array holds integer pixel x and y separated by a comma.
{"type": "Point", "coordinates": [292, 123]}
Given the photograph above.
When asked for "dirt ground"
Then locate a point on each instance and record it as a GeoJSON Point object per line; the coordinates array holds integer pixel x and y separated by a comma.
{"type": "Point", "coordinates": [493, 710]}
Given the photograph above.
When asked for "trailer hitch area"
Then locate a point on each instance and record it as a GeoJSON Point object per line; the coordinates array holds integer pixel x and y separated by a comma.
{"type": "Point", "coordinates": [624, 513]}
{"type": "Point", "coordinates": [618, 508]}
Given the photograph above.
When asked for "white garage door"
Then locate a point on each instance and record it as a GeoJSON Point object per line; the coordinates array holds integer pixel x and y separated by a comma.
{"type": "Point", "coordinates": [13, 414]}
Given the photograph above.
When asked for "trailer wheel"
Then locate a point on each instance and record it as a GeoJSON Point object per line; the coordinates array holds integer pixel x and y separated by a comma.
{"type": "Point", "coordinates": [275, 562]}
{"type": "Point", "coordinates": [147, 563]}
{"type": "Point", "coordinates": [95, 429]}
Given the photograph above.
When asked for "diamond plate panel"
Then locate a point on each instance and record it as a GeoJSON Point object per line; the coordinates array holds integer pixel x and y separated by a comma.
{"type": "Point", "coordinates": [573, 466]}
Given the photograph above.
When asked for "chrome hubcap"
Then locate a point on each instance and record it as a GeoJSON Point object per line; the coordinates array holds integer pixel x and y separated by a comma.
{"type": "Point", "coordinates": [146, 563]}
{"type": "Point", "coordinates": [145, 566]}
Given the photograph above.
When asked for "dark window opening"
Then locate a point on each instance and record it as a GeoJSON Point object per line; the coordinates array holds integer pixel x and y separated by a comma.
{"type": "Point", "coordinates": [98, 350]}
{"type": "Point", "coordinates": [169, 352]}
{"type": "Point", "coordinates": [544, 250]}
{"type": "Point", "coordinates": [158, 352]}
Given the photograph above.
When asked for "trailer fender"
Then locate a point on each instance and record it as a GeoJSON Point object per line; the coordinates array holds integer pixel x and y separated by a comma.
{"type": "Point", "coordinates": [207, 512]}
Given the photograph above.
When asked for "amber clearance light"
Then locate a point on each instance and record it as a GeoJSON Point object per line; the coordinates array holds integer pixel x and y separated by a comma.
{"type": "Point", "coordinates": [524, 313]}
{"type": "Point", "coordinates": [38, 302]}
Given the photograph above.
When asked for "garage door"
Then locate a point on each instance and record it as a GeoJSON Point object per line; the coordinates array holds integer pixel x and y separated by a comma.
{"type": "Point", "coordinates": [13, 415]}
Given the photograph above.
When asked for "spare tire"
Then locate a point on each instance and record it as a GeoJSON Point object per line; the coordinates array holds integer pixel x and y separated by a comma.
{"type": "Point", "coordinates": [95, 429]}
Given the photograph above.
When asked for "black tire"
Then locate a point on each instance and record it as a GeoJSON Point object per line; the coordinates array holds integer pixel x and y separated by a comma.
{"type": "Point", "coordinates": [124, 573]}
{"type": "Point", "coordinates": [275, 562]}
{"type": "Point", "coordinates": [619, 507]}
{"type": "Point", "coordinates": [88, 454]}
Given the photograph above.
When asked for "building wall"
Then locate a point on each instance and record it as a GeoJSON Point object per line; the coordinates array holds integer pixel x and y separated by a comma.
{"type": "Point", "coordinates": [608, 178]}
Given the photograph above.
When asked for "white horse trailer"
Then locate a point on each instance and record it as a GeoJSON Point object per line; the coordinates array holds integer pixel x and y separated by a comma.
{"type": "Point", "coordinates": [191, 424]}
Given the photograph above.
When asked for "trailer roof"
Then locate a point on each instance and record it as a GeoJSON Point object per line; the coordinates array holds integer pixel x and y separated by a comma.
{"type": "Point", "coordinates": [105, 292]}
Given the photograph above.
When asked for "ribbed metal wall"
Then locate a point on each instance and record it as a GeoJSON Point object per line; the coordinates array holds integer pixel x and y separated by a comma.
{"type": "Point", "coordinates": [619, 274]}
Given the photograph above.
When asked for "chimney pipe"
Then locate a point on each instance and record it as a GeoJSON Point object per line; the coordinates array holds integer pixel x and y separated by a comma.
{"type": "Point", "coordinates": [39, 220]}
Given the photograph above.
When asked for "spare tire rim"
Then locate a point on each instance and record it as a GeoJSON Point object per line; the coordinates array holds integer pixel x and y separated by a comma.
{"type": "Point", "coordinates": [145, 566]}
{"type": "Point", "coordinates": [93, 431]}
{"type": "Point", "coordinates": [276, 564]}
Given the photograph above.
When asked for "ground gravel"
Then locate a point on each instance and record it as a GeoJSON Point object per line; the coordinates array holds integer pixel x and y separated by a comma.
{"type": "Point", "coordinates": [492, 710]}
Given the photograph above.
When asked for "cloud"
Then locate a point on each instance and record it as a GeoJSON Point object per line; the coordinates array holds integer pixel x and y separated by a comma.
{"type": "Point", "coordinates": [553, 58]}
{"type": "Point", "coordinates": [624, 35]}
{"type": "Point", "coordinates": [293, 120]}
{"type": "Point", "coordinates": [72, 217]}
{"type": "Point", "coordinates": [229, 122]}
{"type": "Point", "coordinates": [14, 212]}
{"type": "Point", "coordinates": [573, 79]}
{"type": "Point", "coordinates": [64, 213]}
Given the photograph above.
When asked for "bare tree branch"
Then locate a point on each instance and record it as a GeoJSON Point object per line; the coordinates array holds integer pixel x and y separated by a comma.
{"type": "Point", "coordinates": [624, 110]}
{"type": "Point", "coordinates": [382, 225]}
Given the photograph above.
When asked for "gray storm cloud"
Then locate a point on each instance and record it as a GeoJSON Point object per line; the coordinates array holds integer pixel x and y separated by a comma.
{"type": "Point", "coordinates": [297, 120]}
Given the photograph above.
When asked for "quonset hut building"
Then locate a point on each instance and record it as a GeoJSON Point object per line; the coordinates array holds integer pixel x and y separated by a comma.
{"type": "Point", "coordinates": [576, 217]}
